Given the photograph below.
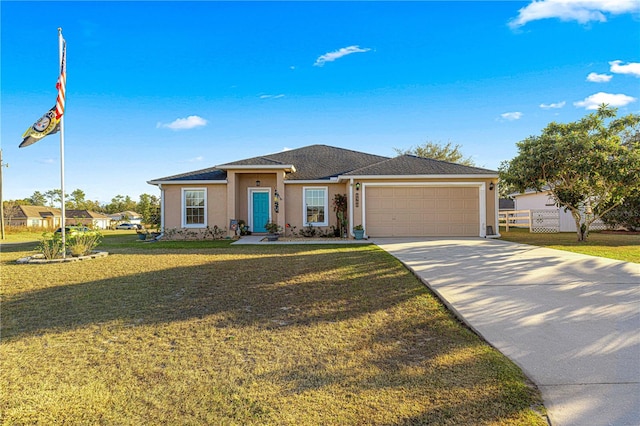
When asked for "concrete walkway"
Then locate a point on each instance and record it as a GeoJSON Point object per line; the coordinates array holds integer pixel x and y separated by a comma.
{"type": "Point", "coordinates": [261, 239]}
{"type": "Point", "coordinates": [570, 321]}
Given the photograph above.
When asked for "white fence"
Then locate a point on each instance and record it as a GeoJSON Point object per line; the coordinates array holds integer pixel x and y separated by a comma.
{"type": "Point", "coordinates": [541, 221]}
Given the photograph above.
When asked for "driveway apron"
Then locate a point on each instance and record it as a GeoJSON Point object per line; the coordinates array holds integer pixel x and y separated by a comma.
{"type": "Point", "coordinates": [570, 321]}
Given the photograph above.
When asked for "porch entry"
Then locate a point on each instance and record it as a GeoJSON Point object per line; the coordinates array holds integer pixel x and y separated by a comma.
{"type": "Point", "coordinates": [259, 209]}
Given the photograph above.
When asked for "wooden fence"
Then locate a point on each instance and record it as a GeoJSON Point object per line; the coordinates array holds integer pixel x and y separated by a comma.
{"type": "Point", "coordinates": [542, 221]}
{"type": "Point", "coordinates": [515, 219]}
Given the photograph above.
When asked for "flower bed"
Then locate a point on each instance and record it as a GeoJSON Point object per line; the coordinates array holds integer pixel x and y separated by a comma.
{"type": "Point", "coordinates": [39, 258]}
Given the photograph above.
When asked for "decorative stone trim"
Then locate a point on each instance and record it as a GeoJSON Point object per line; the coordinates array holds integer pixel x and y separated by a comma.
{"type": "Point", "coordinates": [39, 258]}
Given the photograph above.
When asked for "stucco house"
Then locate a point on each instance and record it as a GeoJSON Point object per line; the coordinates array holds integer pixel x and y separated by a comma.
{"type": "Point", "coordinates": [126, 216]}
{"type": "Point", "coordinates": [87, 218]}
{"type": "Point", "coordinates": [34, 217]}
{"type": "Point", "coordinates": [401, 196]}
{"type": "Point", "coordinates": [51, 217]}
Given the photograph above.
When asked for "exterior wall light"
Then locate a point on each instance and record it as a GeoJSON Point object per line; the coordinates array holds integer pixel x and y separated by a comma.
{"type": "Point", "coordinates": [491, 186]}
{"type": "Point", "coordinates": [257, 183]}
{"type": "Point", "coordinates": [358, 186]}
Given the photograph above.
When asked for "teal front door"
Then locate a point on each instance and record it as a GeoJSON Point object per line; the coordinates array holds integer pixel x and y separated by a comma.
{"type": "Point", "coordinates": [260, 203]}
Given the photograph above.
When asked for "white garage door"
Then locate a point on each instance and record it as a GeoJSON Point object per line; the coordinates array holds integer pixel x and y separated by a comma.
{"type": "Point", "coordinates": [412, 211]}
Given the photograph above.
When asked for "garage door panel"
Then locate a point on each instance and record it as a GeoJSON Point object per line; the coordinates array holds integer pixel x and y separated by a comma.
{"type": "Point", "coordinates": [422, 211]}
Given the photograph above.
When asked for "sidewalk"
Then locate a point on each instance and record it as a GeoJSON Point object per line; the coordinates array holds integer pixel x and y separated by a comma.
{"type": "Point", "coordinates": [258, 239]}
{"type": "Point", "coordinates": [570, 321]}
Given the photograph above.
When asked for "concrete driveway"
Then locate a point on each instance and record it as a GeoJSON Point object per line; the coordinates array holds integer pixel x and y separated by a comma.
{"type": "Point", "coordinates": [570, 321]}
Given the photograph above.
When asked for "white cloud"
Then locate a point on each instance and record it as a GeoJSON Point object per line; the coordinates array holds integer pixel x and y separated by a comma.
{"type": "Point", "coordinates": [190, 122]}
{"type": "Point", "coordinates": [582, 11]}
{"type": "Point", "coordinates": [594, 101]}
{"type": "Point", "coordinates": [599, 78]}
{"type": "Point", "coordinates": [555, 105]}
{"type": "Point", "coordinates": [271, 96]}
{"type": "Point", "coordinates": [511, 116]}
{"type": "Point", "coordinates": [632, 68]}
{"type": "Point", "coordinates": [196, 159]}
{"type": "Point", "coordinates": [332, 56]}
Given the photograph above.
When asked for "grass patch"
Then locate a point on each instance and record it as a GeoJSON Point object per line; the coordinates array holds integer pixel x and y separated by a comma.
{"type": "Point", "coordinates": [613, 246]}
{"type": "Point", "coordinates": [208, 333]}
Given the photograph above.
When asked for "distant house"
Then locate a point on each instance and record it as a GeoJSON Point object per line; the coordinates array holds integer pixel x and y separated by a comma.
{"type": "Point", "coordinates": [50, 217]}
{"type": "Point", "coordinates": [401, 196]}
{"type": "Point", "coordinates": [87, 218]}
{"type": "Point", "coordinates": [126, 216]}
{"type": "Point", "coordinates": [543, 201]}
{"type": "Point", "coordinates": [34, 217]}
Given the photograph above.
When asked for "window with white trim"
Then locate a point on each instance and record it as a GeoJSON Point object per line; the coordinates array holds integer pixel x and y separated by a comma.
{"type": "Point", "coordinates": [316, 205]}
{"type": "Point", "coordinates": [194, 208]}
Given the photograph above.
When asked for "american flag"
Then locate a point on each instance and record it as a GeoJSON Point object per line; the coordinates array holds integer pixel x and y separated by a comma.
{"type": "Point", "coordinates": [62, 81]}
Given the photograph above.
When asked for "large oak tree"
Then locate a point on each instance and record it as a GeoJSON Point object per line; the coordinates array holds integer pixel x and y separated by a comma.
{"type": "Point", "coordinates": [590, 166]}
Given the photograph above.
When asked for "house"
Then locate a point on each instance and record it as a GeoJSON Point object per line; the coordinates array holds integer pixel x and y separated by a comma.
{"type": "Point", "coordinates": [544, 208]}
{"type": "Point", "coordinates": [401, 196]}
{"type": "Point", "coordinates": [50, 217]}
{"type": "Point", "coordinates": [126, 216]}
{"type": "Point", "coordinates": [87, 218]}
{"type": "Point", "coordinates": [34, 217]}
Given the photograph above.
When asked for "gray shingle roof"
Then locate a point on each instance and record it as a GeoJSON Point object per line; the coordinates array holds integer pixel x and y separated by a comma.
{"type": "Point", "coordinates": [315, 162]}
{"type": "Point", "coordinates": [322, 162]}
{"type": "Point", "coordinates": [405, 165]}
{"type": "Point", "coordinates": [211, 173]}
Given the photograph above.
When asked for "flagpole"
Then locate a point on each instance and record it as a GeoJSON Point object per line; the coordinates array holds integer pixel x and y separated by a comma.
{"type": "Point", "coordinates": [62, 200]}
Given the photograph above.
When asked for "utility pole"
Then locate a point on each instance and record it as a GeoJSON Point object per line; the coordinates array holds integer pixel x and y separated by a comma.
{"type": "Point", "coordinates": [2, 165]}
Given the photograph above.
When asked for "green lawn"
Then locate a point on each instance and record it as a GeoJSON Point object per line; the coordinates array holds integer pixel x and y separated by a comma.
{"type": "Point", "coordinates": [208, 333]}
{"type": "Point", "coordinates": [612, 246]}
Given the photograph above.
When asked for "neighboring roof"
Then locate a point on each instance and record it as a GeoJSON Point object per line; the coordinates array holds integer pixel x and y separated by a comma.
{"type": "Point", "coordinates": [406, 165]}
{"type": "Point", "coordinates": [130, 214]}
{"type": "Point", "coordinates": [84, 214]}
{"type": "Point", "coordinates": [323, 162]}
{"type": "Point", "coordinates": [37, 211]}
{"type": "Point", "coordinates": [507, 204]}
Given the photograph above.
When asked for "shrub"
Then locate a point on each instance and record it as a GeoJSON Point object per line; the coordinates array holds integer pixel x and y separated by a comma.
{"type": "Point", "coordinates": [82, 243]}
{"type": "Point", "coordinates": [308, 231]}
{"type": "Point", "coordinates": [272, 228]}
{"type": "Point", "coordinates": [50, 245]}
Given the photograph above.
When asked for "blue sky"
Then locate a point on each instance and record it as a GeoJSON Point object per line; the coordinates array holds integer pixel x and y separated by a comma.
{"type": "Point", "coordinates": [160, 88]}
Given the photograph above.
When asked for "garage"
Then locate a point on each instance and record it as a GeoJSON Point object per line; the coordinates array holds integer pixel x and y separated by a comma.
{"type": "Point", "coordinates": [422, 211]}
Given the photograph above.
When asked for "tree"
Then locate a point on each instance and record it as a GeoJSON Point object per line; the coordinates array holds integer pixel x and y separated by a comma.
{"type": "Point", "coordinates": [626, 214]}
{"type": "Point", "coordinates": [10, 209]}
{"type": "Point", "coordinates": [77, 200]}
{"type": "Point", "coordinates": [590, 166]}
{"type": "Point", "coordinates": [120, 204]}
{"type": "Point", "coordinates": [437, 151]}
{"type": "Point", "coordinates": [54, 196]}
{"type": "Point", "coordinates": [38, 199]}
{"type": "Point", "coordinates": [148, 206]}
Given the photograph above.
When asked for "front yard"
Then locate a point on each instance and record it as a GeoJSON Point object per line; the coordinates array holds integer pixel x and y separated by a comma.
{"type": "Point", "coordinates": [624, 247]}
{"type": "Point", "coordinates": [208, 333]}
